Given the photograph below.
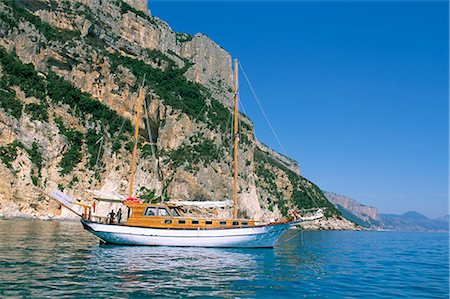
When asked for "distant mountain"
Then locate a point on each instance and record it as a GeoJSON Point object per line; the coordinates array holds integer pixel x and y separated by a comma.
{"type": "Point", "coordinates": [414, 221]}
{"type": "Point", "coordinates": [368, 217]}
{"type": "Point", "coordinates": [443, 218]}
{"type": "Point", "coordinates": [362, 215]}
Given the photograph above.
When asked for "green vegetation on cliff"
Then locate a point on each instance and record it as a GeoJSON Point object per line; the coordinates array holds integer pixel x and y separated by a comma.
{"type": "Point", "coordinates": [305, 194]}
{"type": "Point", "coordinates": [9, 153]}
{"type": "Point", "coordinates": [8, 102]}
{"type": "Point", "coordinates": [72, 155]}
{"type": "Point", "coordinates": [59, 90]}
{"type": "Point", "coordinates": [125, 8]}
{"type": "Point", "coordinates": [93, 146]}
{"type": "Point", "coordinates": [16, 73]}
{"type": "Point", "coordinates": [183, 37]}
{"type": "Point", "coordinates": [37, 111]}
{"type": "Point", "coordinates": [200, 150]}
{"type": "Point", "coordinates": [175, 90]}
{"type": "Point", "coordinates": [23, 75]}
{"type": "Point", "coordinates": [36, 158]}
{"type": "Point", "coordinates": [62, 91]}
{"type": "Point", "coordinates": [21, 12]}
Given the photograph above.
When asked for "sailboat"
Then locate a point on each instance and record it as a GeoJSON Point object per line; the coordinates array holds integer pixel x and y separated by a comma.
{"type": "Point", "coordinates": [164, 224]}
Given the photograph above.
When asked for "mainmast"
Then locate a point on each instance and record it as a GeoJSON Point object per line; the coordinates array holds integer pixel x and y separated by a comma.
{"type": "Point", "coordinates": [136, 136]}
{"type": "Point", "coordinates": [236, 136]}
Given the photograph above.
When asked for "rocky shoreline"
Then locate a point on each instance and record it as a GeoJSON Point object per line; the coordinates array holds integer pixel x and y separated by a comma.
{"type": "Point", "coordinates": [332, 223]}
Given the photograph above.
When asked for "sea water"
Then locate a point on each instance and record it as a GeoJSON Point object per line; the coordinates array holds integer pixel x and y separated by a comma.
{"type": "Point", "coordinates": [41, 259]}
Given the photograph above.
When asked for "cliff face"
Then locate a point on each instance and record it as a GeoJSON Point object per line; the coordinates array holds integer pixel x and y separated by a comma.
{"type": "Point", "coordinates": [363, 215]}
{"type": "Point", "coordinates": [70, 72]}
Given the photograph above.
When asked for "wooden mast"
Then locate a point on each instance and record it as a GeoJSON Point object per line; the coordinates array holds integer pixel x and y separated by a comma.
{"type": "Point", "coordinates": [236, 136]}
{"type": "Point", "coordinates": [136, 136]}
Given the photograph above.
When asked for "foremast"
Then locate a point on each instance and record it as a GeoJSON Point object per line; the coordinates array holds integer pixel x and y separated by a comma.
{"type": "Point", "coordinates": [136, 136]}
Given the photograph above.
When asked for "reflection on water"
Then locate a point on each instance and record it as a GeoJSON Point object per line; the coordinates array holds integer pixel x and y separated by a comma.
{"type": "Point", "coordinates": [59, 258]}
{"type": "Point", "coordinates": [174, 270]}
{"type": "Point", "coordinates": [52, 259]}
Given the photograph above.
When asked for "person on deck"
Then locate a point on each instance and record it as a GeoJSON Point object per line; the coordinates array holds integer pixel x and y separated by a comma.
{"type": "Point", "coordinates": [111, 217]}
{"type": "Point", "coordinates": [119, 215]}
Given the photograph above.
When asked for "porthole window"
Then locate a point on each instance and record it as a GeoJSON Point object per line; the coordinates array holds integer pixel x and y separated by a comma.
{"type": "Point", "coordinates": [208, 222]}
{"type": "Point", "coordinates": [167, 221]}
{"type": "Point", "coordinates": [194, 221]}
{"type": "Point", "coordinates": [245, 223]}
{"type": "Point", "coordinates": [235, 223]}
{"type": "Point", "coordinates": [181, 221]}
{"type": "Point", "coordinates": [223, 223]}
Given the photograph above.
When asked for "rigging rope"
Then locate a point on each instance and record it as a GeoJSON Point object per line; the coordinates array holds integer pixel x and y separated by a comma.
{"type": "Point", "coordinates": [230, 141]}
{"type": "Point", "coordinates": [272, 129]}
{"type": "Point", "coordinates": [201, 110]}
{"type": "Point", "coordinates": [98, 154]}
{"type": "Point", "coordinates": [150, 137]}
{"type": "Point", "coordinates": [262, 109]}
{"type": "Point", "coordinates": [241, 104]}
{"type": "Point", "coordinates": [121, 129]}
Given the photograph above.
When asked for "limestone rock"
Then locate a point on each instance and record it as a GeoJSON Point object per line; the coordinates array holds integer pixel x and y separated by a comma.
{"type": "Point", "coordinates": [103, 49]}
{"type": "Point", "coordinates": [333, 223]}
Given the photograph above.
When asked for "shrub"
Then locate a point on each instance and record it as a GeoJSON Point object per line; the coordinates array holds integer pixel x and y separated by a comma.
{"type": "Point", "coordinates": [117, 142]}
{"type": "Point", "coordinates": [9, 103]}
{"type": "Point", "coordinates": [146, 195]}
{"type": "Point", "coordinates": [37, 111]}
{"type": "Point", "coordinates": [73, 155]}
{"type": "Point", "coordinates": [93, 147]}
{"type": "Point", "coordinates": [23, 75]}
{"type": "Point", "coordinates": [200, 150]}
{"type": "Point", "coordinates": [36, 158]}
{"type": "Point", "coordinates": [8, 153]}
{"type": "Point", "coordinates": [183, 37]}
{"type": "Point", "coordinates": [72, 182]}
{"type": "Point", "coordinates": [147, 150]}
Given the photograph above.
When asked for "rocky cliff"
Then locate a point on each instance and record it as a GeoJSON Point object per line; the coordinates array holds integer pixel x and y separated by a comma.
{"type": "Point", "coordinates": [362, 215]}
{"type": "Point", "coordinates": [70, 72]}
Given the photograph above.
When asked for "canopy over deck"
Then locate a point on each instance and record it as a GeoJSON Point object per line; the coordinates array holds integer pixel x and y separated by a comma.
{"type": "Point", "coordinates": [204, 204]}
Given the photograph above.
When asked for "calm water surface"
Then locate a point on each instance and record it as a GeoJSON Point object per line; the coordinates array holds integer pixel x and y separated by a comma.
{"type": "Point", "coordinates": [53, 259]}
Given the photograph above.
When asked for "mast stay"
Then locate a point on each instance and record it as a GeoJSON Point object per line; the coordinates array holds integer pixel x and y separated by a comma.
{"type": "Point", "coordinates": [272, 129]}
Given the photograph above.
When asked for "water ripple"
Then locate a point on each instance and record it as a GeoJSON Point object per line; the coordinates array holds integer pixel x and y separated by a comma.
{"type": "Point", "coordinates": [58, 259]}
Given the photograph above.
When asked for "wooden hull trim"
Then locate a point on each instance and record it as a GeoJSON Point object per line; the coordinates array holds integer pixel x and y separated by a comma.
{"type": "Point", "coordinates": [251, 237]}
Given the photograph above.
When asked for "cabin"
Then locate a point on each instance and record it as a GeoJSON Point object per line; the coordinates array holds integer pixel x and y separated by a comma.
{"type": "Point", "coordinates": [170, 216]}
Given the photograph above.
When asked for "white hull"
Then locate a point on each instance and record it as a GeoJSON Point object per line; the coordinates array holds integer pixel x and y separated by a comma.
{"type": "Point", "coordinates": [259, 236]}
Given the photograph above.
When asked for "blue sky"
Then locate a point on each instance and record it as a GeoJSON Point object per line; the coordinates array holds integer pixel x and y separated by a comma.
{"type": "Point", "coordinates": [357, 91]}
